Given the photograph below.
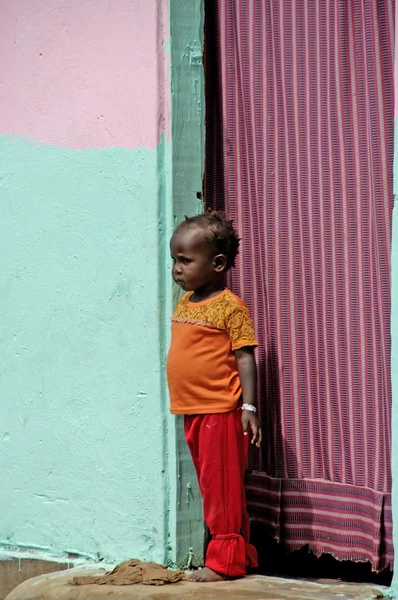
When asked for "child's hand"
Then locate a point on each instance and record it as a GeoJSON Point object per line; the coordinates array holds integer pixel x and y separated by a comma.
{"type": "Point", "coordinates": [250, 420]}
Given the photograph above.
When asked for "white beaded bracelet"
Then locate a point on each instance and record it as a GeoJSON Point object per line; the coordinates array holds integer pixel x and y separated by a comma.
{"type": "Point", "coordinates": [249, 407]}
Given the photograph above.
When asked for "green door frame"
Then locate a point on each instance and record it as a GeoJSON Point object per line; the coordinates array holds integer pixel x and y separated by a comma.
{"type": "Point", "coordinates": [185, 160]}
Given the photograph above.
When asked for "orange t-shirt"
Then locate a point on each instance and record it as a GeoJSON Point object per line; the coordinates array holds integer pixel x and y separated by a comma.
{"type": "Point", "coordinates": [201, 367]}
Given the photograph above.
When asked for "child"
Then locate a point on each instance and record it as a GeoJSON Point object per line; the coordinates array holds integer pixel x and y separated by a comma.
{"type": "Point", "coordinates": [211, 375]}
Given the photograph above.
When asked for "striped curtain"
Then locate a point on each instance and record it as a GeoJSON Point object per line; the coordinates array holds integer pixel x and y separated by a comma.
{"type": "Point", "coordinates": [394, 312]}
{"type": "Point", "coordinates": [299, 152]}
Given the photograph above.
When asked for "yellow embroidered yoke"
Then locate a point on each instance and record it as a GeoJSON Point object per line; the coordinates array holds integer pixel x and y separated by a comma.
{"type": "Point", "coordinates": [201, 366]}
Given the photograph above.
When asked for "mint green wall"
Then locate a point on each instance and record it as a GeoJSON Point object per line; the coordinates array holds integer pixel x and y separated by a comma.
{"type": "Point", "coordinates": [83, 444]}
{"type": "Point", "coordinates": [91, 462]}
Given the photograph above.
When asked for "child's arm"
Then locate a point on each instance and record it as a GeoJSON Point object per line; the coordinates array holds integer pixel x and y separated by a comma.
{"type": "Point", "coordinates": [248, 379]}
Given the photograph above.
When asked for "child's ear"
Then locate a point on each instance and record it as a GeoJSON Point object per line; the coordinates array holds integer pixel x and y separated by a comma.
{"type": "Point", "coordinates": [220, 262]}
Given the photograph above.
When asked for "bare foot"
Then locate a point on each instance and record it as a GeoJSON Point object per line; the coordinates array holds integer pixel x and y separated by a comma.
{"type": "Point", "coordinates": [206, 575]}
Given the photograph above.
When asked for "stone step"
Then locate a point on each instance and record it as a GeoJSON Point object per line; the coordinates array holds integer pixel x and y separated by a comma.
{"type": "Point", "coordinates": [56, 586]}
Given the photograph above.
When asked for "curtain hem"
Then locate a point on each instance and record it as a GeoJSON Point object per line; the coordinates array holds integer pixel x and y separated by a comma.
{"type": "Point", "coordinates": [350, 522]}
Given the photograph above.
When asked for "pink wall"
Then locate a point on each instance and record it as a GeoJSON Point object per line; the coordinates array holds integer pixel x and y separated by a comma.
{"type": "Point", "coordinates": [84, 73]}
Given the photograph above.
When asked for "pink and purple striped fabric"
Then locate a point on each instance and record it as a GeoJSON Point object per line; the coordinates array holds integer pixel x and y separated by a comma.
{"type": "Point", "coordinates": [299, 148]}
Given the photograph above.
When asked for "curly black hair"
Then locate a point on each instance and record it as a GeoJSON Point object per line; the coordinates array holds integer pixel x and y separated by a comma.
{"type": "Point", "coordinates": [222, 235]}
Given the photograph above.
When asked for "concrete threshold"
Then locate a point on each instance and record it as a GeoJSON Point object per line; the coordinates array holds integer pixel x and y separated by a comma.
{"type": "Point", "coordinates": [56, 586]}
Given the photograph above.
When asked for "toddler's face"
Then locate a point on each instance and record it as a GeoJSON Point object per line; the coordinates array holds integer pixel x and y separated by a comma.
{"type": "Point", "coordinates": [193, 262]}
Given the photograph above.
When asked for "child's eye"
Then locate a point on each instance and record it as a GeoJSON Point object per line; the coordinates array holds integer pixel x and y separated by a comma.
{"type": "Point", "coordinates": [173, 260]}
{"type": "Point", "coordinates": [185, 261]}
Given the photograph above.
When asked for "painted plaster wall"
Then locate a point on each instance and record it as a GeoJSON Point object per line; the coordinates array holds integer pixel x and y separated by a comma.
{"type": "Point", "coordinates": [83, 73]}
{"type": "Point", "coordinates": [84, 138]}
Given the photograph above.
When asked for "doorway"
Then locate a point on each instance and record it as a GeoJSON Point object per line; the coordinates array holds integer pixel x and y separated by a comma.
{"type": "Point", "coordinates": [299, 147]}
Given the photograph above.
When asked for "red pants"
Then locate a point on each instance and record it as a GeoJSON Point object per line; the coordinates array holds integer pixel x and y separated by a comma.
{"type": "Point", "coordinates": [219, 452]}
